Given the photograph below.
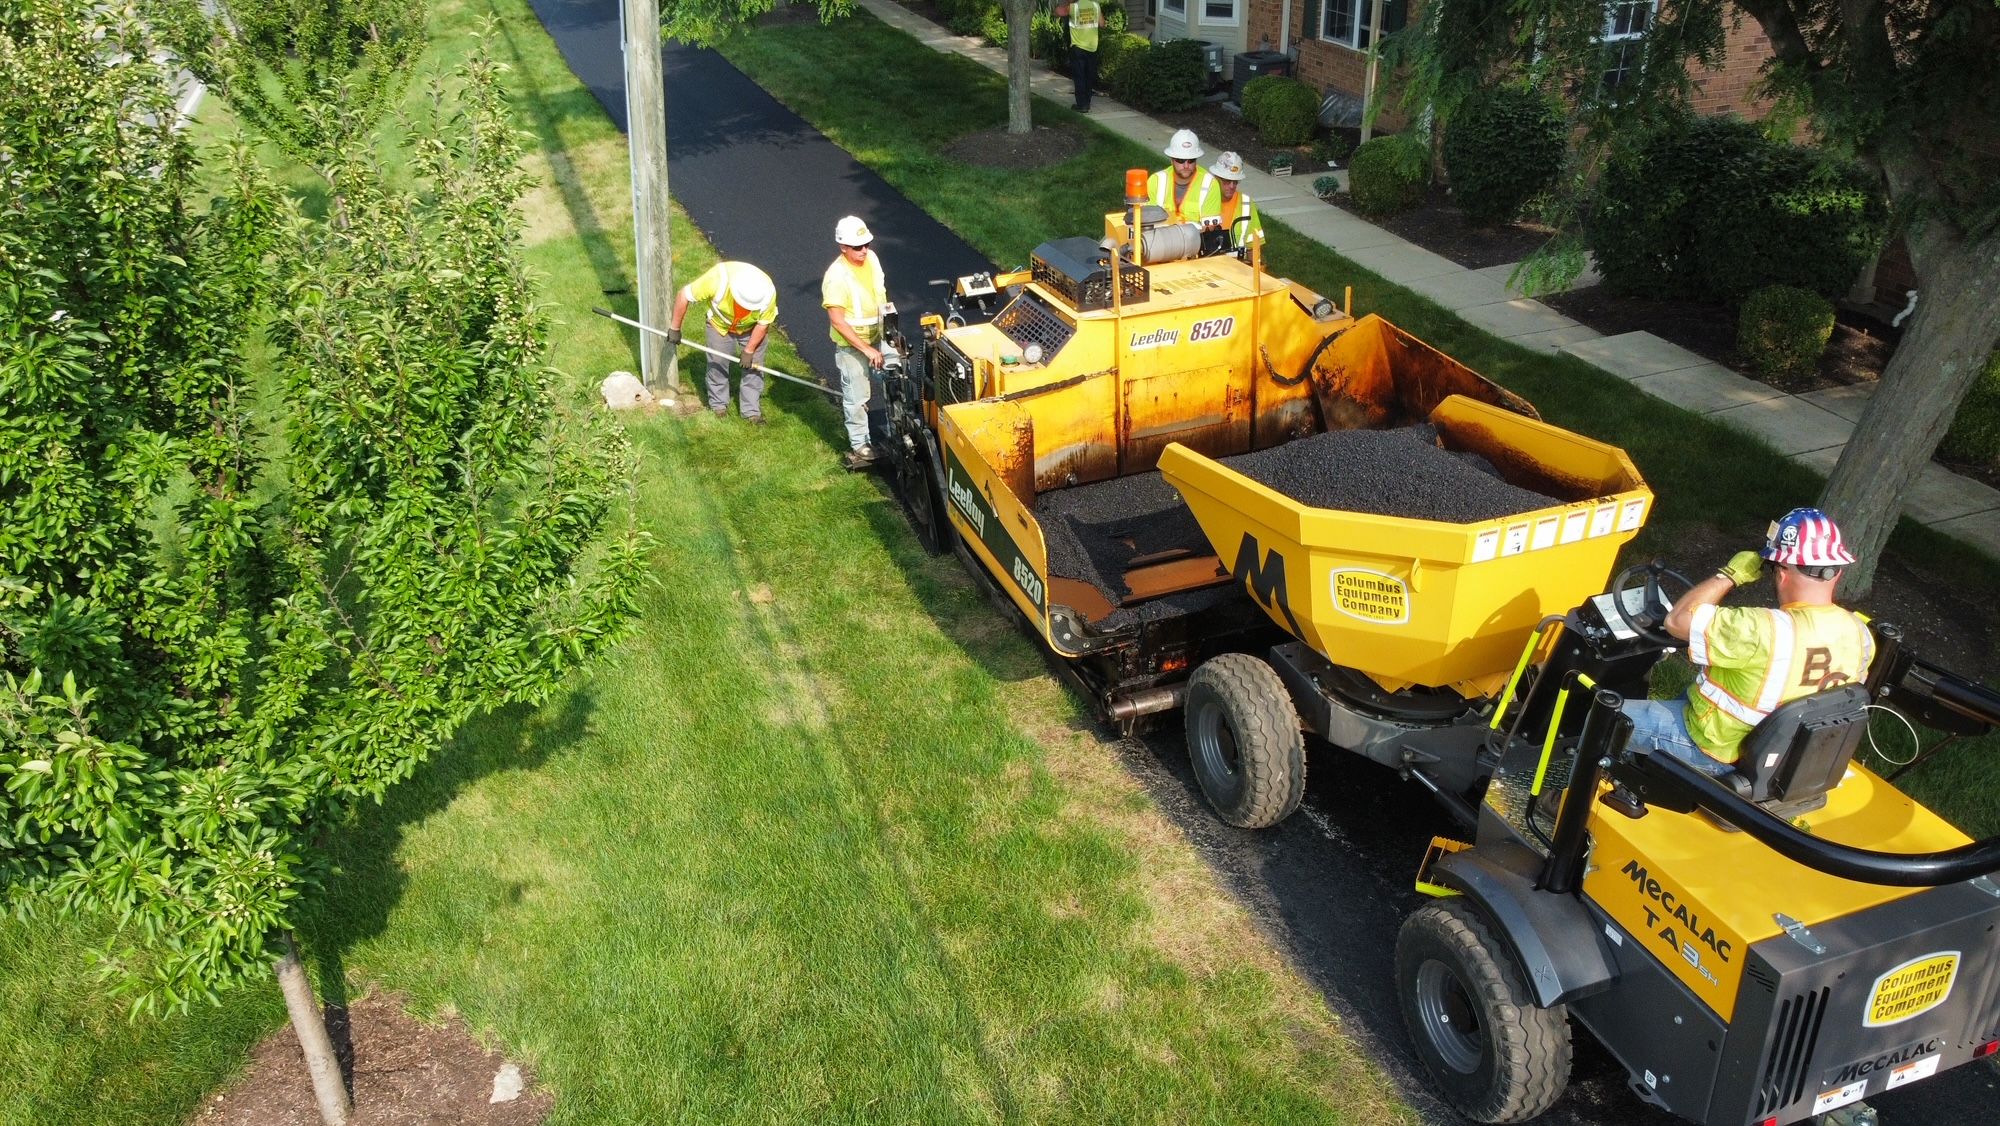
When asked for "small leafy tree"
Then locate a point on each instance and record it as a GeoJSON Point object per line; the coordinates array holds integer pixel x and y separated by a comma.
{"type": "Point", "coordinates": [281, 62]}
{"type": "Point", "coordinates": [210, 656]}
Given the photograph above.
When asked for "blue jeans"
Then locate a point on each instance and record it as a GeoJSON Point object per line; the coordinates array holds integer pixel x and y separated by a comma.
{"type": "Point", "coordinates": [857, 383]}
{"type": "Point", "coordinates": [1661, 725]}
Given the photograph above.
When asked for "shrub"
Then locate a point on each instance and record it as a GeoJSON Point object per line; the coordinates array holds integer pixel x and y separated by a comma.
{"type": "Point", "coordinates": [1503, 149]}
{"type": "Point", "coordinates": [1326, 186]}
{"type": "Point", "coordinates": [1387, 175]}
{"type": "Point", "coordinates": [1783, 330]}
{"type": "Point", "coordinates": [1332, 148]}
{"type": "Point", "coordinates": [968, 17]}
{"type": "Point", "coordinates": [1168, 78]}
{"type": "Point", "coordinates": [1708, 207]}
{"type": "Point", "coordinates": [1974, 436]}
{"type": "Point", "coordinates": [1118, 50]}
{"type": "Point", "coordinates": [1255, 92]}
{"type": "Point", "coordinates": [993, 27]}
{"type": "Point", "coordinates": [1286, 111]}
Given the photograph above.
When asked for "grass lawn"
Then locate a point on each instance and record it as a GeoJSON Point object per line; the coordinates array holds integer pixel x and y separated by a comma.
{"type": "Point", "coordinates": [823, 842]}
{"type": "Point", "coordinates": [1711, 482]}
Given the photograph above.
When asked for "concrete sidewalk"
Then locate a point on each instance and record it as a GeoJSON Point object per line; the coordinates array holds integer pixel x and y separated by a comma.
{"type": "Point", "coordinates": [1810, 429]}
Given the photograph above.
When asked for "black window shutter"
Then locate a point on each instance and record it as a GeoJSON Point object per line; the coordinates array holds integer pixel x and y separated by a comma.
{"type": "Point", "coordinates": [1312, 20]}
{"type": "Point", "coordinates": [1395, 13]}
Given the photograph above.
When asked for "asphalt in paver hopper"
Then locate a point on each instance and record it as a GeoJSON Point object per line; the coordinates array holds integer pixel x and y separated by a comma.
{"type": "Point", "coordinates": [1213, 490]}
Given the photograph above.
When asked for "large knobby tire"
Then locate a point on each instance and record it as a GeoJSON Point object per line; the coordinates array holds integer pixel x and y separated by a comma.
{"type": "Point", "coordinates": [1492, 1052]}
{"type": "Point", "coordinates": [1243, 737]}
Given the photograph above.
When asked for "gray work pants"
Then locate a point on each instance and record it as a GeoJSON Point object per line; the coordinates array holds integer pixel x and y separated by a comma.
{"type": "Point", "coordinates": [751, 393]}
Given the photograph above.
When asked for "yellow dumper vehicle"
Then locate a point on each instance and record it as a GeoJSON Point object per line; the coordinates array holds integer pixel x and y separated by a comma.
{"type": "Point", "coordinates": [1209, 489]}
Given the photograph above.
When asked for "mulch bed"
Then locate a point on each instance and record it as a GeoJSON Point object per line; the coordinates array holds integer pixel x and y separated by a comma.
{"type": "Point", "coordinates": [404, 1073]}
{"type": "Point", "coordinates": [1440, 227]}
{"type": "Point", "coordinates": [997, 148]}
{"type": "Point", "coordinates": [1858, 352]}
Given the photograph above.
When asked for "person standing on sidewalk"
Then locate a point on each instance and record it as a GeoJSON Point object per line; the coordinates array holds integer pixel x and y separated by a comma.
{"type": "Point", "coordinates": [1232, 209]}
{"type": "Point", "coordinates": [742, 304]}
{"type": "Point", "coordinates": [855, 296]}
{"type": "Point", "coordinates": [1182, 188]}
{"type": "Point", "coordinates": [1085, 18]}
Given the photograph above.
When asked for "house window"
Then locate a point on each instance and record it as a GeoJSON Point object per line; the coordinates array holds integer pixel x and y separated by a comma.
{"type": "Point", "coordinates": [1175, 8]}
{"type": "Point", "coordinates": [1218, 12]}
{"type": "Point", "coordinates": [1625, 25]}
{"type": "Point", "coordinates": [1346, 21]}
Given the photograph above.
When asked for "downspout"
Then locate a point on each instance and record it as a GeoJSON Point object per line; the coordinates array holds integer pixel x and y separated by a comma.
{"type": "Point", "coordinates": [1374, 61]}
{"type": "Point", "coordinates": [1285, 31]}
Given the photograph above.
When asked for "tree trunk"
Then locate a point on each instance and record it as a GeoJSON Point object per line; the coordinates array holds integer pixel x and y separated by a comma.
{"type": "Point", "coordinates": [1944, 348]}
{"type": "Point", "coordinates": [329, 1086]}
{"type": "Point", "coordinates": [1020, 40]}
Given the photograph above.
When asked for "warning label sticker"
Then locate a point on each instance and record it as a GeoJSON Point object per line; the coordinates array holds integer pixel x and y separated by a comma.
{"type": "Point", "coordinates": [1911, 989]}
{"type": "Point", "coordinates": [1371, 596]}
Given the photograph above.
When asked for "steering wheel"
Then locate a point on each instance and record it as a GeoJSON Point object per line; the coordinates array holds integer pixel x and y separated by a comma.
{"type": "Point", "coordinates": [1650, 621]}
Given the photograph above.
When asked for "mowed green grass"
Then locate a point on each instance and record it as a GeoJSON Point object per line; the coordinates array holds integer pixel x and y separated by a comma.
{"type": "Point", "coordinates": [823, 842]}
{"type": "Point", "coordinates": [1709, 481]}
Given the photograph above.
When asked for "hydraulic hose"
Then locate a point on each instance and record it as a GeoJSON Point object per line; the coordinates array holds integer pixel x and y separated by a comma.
{"type": "Point", "coordinates": [1890, 869]}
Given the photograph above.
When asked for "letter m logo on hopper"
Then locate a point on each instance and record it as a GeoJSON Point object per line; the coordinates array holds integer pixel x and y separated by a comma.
{"type": "Point", "coordinates": [1265, 580]}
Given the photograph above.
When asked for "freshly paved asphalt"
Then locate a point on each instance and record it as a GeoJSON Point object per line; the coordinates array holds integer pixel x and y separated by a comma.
{"type": "Point", "coordinates": [761, 183]}
{"type": "Point", "coordinates": [1331, 886]}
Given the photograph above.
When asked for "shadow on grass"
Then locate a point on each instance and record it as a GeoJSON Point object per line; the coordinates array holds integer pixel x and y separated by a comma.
{"type": "Point", "coordinates": [370, 882]}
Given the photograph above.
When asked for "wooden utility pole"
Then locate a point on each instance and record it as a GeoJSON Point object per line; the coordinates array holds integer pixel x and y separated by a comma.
{"type": "Point", "coordinates": [646, 130]}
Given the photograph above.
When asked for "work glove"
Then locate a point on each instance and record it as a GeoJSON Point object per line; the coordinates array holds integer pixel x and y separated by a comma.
{"type": "Point", "coordinates": [1743, 568]}
{"type": "Point", "coordinates": [674, 337]}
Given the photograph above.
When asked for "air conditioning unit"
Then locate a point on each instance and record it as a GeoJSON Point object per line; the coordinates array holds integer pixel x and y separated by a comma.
{"type": "Point", "coordinates": [1214, 56]}
{"type": "Point", "coordinates": [1256, 64]}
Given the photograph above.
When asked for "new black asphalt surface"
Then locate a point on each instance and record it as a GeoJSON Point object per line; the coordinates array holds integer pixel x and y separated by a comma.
{"type": "Point", "coordinates": [762, 184]}
{"type": "Point", "coordinates": [1330, 886]}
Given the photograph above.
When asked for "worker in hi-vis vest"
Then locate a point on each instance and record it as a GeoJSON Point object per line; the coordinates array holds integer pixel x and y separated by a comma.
{"type": "Point", "coordinates": [1085, 18]}
{"type": "Point", "coordinates": [1231, 208]}
{"type": "Point", "coordinates": [1752, 659]}
{"type": "Point", "coordinates": [855, 295]}
{"type": "Point", "coordinates": [742, 304]}
{"type": "Point", "coordinates": [1182, 188]}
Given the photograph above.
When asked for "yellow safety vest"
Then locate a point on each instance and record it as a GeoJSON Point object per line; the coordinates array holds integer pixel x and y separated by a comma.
{"type": "Point", "coordinates": [1161, 187]}
{"type": "Point", "coordinates": [1753, 659]}
{"type": "Point", "coordinates": [862, 297]}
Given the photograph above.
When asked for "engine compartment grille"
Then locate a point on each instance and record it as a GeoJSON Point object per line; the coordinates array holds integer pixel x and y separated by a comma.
{"type": "Point", "coordinates": [1030, 320]}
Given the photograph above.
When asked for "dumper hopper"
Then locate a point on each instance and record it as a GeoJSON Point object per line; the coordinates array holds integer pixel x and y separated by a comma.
{"type": "Point", "coordinates": [1414, 601]}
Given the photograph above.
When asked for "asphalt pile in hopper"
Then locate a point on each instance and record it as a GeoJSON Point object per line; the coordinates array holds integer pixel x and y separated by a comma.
{"type": "Point", "coordinates": [1388, 473]}
{"type": "Point", "coordinates": [1095, 531]}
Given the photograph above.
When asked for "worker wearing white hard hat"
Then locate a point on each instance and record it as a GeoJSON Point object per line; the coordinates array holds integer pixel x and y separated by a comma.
{"type": "Point", "coordinates": [1751, 659]}
{"type": "Point", "coordinates": [1231, 208]}
{"type": "Point", "coordinates": [856, 295]}
{"type": "Point", "coordinates": [742, 304]}
{"type": "Point", "coordinates": [1182, 189]}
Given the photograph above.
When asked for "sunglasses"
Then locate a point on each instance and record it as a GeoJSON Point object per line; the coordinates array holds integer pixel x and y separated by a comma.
{"type": "Point", "coordinates": [1178, 160]}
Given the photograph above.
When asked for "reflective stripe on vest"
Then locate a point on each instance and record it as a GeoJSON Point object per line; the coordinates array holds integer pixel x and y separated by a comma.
{"type": "Point", "coordinates": [1166, 192]}
{"type": "Point", "coordinates": [855, 295]}
{"type": "Point", "coordinates": [1778, 673]}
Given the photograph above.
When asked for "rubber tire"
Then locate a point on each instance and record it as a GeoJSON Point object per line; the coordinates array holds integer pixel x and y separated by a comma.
{"type": "Point", "coordinates": [1243, 738]}
{"type": "Point", "coordinates": [1447, 958]}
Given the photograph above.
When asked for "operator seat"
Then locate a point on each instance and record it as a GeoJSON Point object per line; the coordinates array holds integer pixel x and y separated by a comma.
{"type": "Point", "coordinates": [1802, 749]}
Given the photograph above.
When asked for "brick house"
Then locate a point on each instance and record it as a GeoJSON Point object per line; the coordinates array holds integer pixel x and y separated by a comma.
{"type": "Point", "coordinates": [1329, 39]}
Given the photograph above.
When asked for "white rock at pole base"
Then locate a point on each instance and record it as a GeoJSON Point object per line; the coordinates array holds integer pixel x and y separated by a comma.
{"type": "Point", "coordinates": [623, 391]}
{"type": "Point", "coordinates": [507, 1084]}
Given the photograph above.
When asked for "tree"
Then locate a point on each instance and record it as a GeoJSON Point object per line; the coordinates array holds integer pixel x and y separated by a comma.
{"type": "Point", "coordinates": [1907, 89]}
{"type": "Point", "coordinates": [279, 61]}
{"type": "Point", "coordinates": [211, 654]}
{"type": "Point", "coordinates": [1020, 43]}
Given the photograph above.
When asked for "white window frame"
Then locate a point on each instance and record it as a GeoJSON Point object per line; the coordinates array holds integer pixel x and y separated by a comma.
{"type": "Point", "coordinates": [1363, 10]}
{"type": "Point", "coordinates": [1629, 60]}
{"type": "Point", "coordinates": [1174, 8]}
{"type": "Point", "coordinates": [1234, 19]}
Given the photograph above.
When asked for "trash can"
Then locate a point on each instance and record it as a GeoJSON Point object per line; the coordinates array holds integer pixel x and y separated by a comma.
{"type": "Point", "coordinates": [1256, 64]}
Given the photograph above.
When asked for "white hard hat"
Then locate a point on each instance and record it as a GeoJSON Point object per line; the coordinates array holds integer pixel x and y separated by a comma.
{"type": "Point", "coordinates": [1184, 146]}
{"type": "Point", "coordinates": [1228, 166]}
{"type": "Point", "coordinates": [751, 289]}
{"type": "Point", "coordinates": [851, 231]}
